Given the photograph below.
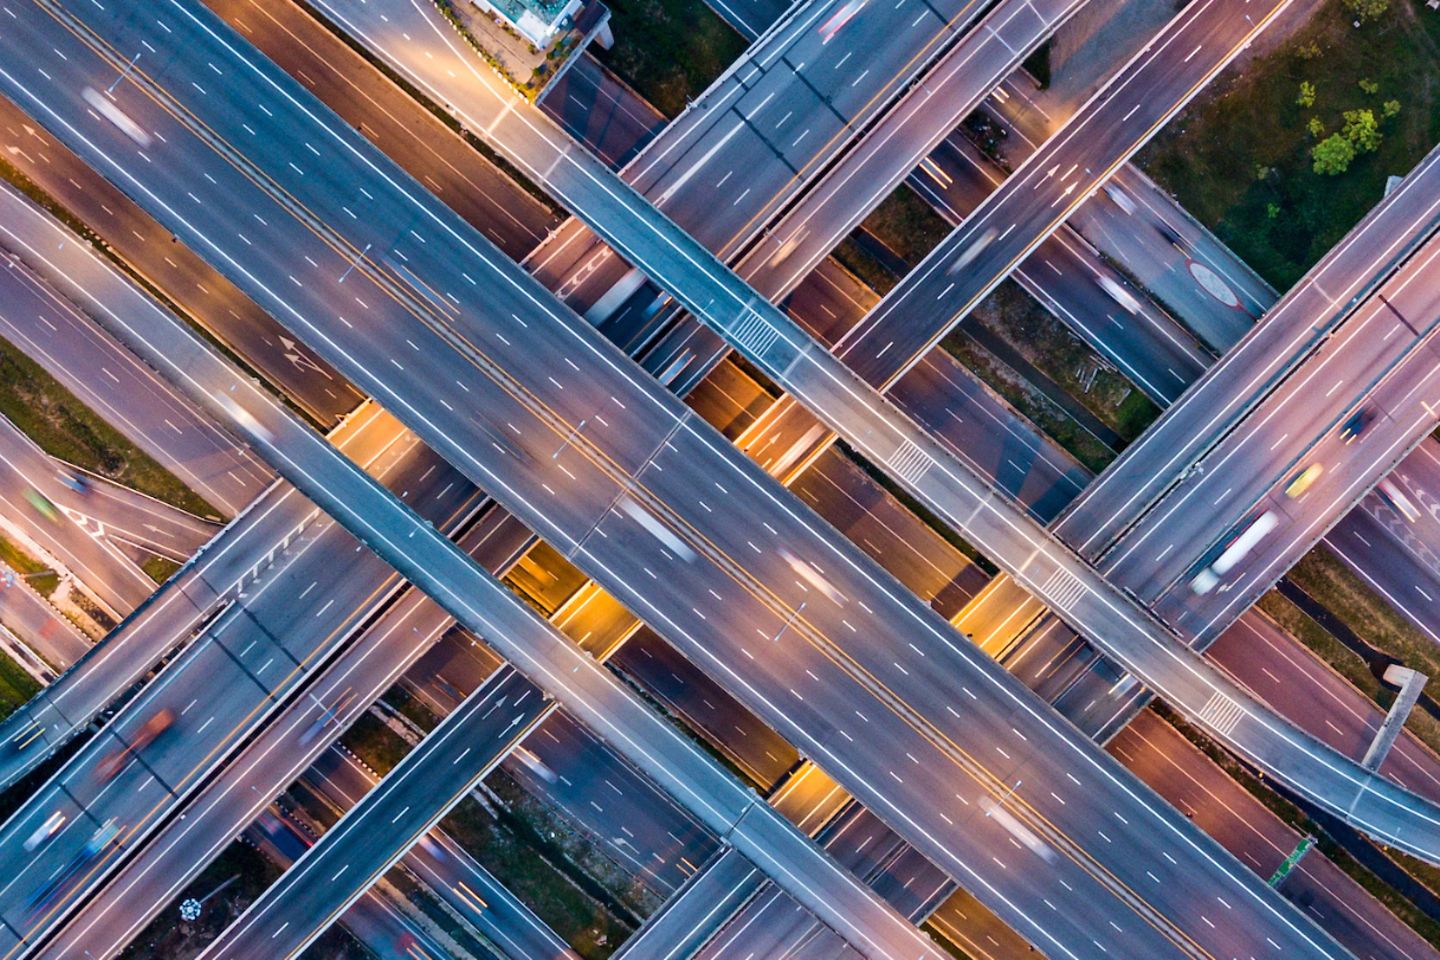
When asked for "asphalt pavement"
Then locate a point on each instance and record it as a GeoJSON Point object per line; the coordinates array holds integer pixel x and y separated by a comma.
{"type": "Point", "coordinates": [149, 249]}
{"type": "Point", "coordinates": [447, 575]}
{"type": "Point", "coordinates": [1291, 333]}
{"type": "Point", "coordinates": [687, 454]}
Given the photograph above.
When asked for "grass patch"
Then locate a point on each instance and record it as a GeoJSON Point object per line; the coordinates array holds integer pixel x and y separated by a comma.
{"type": "Point", "coordinates": [18, 560]}
{"type": "Point", "coordinates": [374, 743]}
{"type": "Point", "coordinates": [1326, 578]}
{"type": "Point", "coordinates": [1045, 341]}
{"type": "Point", "coordinates": [16, 686]}
{"type": "Point", "coordinates": [866, 268]}
{"type": "Point", "coordinates": [907, 225]}
{"type": "Point", "coordinates": [1345, 662]}
{"type": "Point", "coordinates": [159, 569]}
{"type": "Point", "coordinates": [1409, 914]}
{"type": "Point", "coordinates": [536, 881]}
{"type": "Point", "coordinates": [1240, 160]}
{"type": "Point", "coordinates": [904, 223]}
{"type": "Point", "coordinates": [1052, 421]}
{"type": "Point", "coordinates": [669, 51]}
{"type": "Point", "coordinates": [64, 427]}
{"type": "Point", "coordinates": [168, 936]}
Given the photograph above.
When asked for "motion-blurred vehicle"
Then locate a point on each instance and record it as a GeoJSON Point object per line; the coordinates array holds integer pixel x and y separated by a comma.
{"type": "Point", "coordinates": [1303, 481]}
{"type": "Point", "coordinates": [76, 481]}
{"type": "Point", "coordinates": [1398, 501]}
{"type": "Point", "coordinates": [111, 111]}
{"type": "Point", "coordinates": [968, 255]}
{"type": "Point", "coordinates": [812, 576]}
{"type": "Point", "coordinates": [1121, 198]}
{"type": "Point", "coordinates": [1245, 537]}
{"type": "Point", "coordinates": [42, 504]}
{"type": "Point", "coordinates": [842, 16]}
{"type": "Point", "coordinates": [1119, 294]}
{"type": "Point", "coordinates": [158, 723]}
{"type": "Point", "coordinates": [537, 766]}
{"type": "Point", "coordinates": [1018, 830]}
{"type": "Point", "coordinates": [1357, 424]}
{"type": "Point", "coordinates": [651, 525]}
{"type": "Point", "coordinates": [326, 717]}
{"type": "Point", "coordinates": [42, 834]}
{"type": "Point", "coordinates": [245, 419]}
{"type": "Point", "coordinates": [95, 846]}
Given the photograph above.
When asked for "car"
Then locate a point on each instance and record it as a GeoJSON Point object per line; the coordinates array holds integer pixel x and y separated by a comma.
{"type": "Point", "coordinates": [971, 251]}
{"type": "Point", "coordinates": [1398, 501]}
{"type": "Point", "coordinates": [44, 832]}
{"type": "Point", "coordinates": [842, 16]}
{"type": "Point", "coordinates": [1235, 547]}
{"type": "Point", "coordinates": [158, 723]}
{"type": "Point", "coordinates": [1121, 198]}
{"type": "Point", "coordinates": [1119, 294]}
{"type": "Point", "coordinates": [42, 504]}
{"type": "Point", "coordinates": [1356, 425]}
{"type": "Point", "coordinates": [1303, 480]}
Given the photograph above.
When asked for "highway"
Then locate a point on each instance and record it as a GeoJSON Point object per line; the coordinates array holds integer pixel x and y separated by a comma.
{"type": "Point", "coordinates": [1394, 553]}
{"type": "Point", "coordinates": [299, 905]}
{"type": "Point", "coordinates": [145, 246]}
{"type": "Point", "coordinates": [1380, 363]}
{"type": "Point", "coordinates": [1290, 333]}
{"type": "Point", "coordinates": [598, 111]}
{"type": "Point", "coordinates": [1032, 115]}
{"type": "Point", "coordinates": [686, 456]}
{"type": "Point", "coordinates": [246, 665]}
{"type": "Point", "coordinates": [874, 531]}
{"type": "Point", "coordinates": [282, 749]}
{"type": "Point", "coordinates": [1037, 198]}
{"type": "Point", "coordinates": [70, 540]}
{"type": "Point", "coordinates": [1063, 273]}
{"type": "Point", "coordinates": [830, 207]}
{"type": "Point", "coordinates": [603, 705]}
{"type": "Point", "coordinates": [63, 340]}
{"type": "Point", "coordinates": [1184, 776]}
{"type": "Point", "coordinates": [777, 116]}
{"type": "Point", "coordinates": [242, 556]}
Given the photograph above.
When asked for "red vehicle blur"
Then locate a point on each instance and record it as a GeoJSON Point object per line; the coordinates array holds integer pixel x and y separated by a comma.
{"type": "Point", "coordinates": [156, 725]}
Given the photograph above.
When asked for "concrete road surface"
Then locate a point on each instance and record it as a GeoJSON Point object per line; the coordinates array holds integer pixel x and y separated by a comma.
{"type": "Point", "coordinates": [690, 450]}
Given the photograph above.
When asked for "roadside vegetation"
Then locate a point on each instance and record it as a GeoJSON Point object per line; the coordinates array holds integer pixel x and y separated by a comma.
{"type": "Point", "coordinates": [1346, 662]}
{"type": "Point", "coordinates": [536, 872]}
{"type": "Point", "coordinates": [1051, 419]}
{"type": "Point", "coordinates": [65, 428]}
{"type": "Point", "coordinates": [231, 882]}
{"type": "Point", "coordinates": [16, 686]}
{"type": "Point", "coordinates": [669, 51]}
{"type": "Point", "coordinates": [40, 577]}
{"type": "Point", "coordinates": [159, 569]}
{"type": "Point", "coordinates": [1045, 341]}
{"type": "Point", "coordinates": [1327, 579]}
{"type": "Point", "coordinates": [1285, 154]}
{"type": "Point", "coordinates": [901, 232]}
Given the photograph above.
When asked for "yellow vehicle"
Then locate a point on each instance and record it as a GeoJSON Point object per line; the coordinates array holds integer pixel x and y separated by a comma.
{"type": "Point", "coordinates": [1303, 480]}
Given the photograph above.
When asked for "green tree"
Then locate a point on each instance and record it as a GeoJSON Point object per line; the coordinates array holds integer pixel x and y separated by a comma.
{"type": "Point", "coordinates": [1306, 97]}
{"type": "Point", "coordinates": [1316, 127]}
{"type": "Point", "coordinates": [1369, 86]}
{"type": "Point", "coordinates": [1390, 108]}
{"type": "Point", "coordinates": [1367, 9]}
{"type": "Point", "coordinates": [1362, 130]}
{"type": "Point", "coordinates": [1332, 155]}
